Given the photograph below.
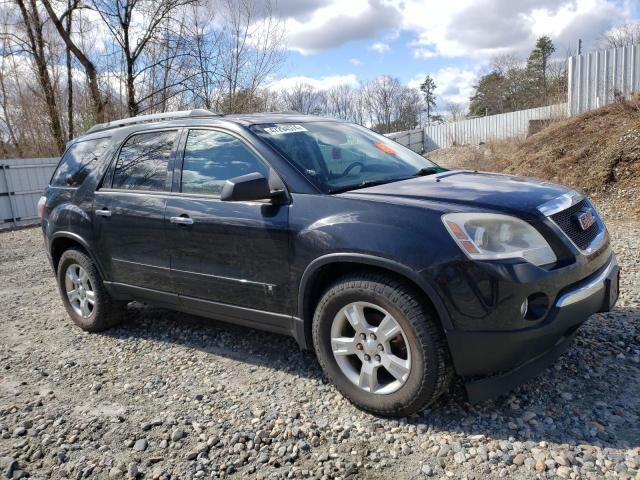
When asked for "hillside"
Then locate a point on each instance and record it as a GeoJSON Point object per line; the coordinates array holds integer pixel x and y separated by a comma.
{"type": "Point", "coordinates": [597, 153]}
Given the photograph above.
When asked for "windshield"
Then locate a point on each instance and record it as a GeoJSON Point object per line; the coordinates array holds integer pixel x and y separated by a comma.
{"type": "Point", "coordinates": [338, 156]}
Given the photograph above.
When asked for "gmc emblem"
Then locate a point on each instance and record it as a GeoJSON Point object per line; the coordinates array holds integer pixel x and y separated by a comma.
{"type": "Point", "coordinates": [585, 218]}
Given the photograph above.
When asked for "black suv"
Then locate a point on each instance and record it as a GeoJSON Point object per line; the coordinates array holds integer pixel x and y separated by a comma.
{"type": "Point", "coordinates": [398, 273]}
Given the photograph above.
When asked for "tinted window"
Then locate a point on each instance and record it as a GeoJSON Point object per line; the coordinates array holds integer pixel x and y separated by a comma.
{"type": "Point", "coordinates": [80, 159]}
{"type": "Point", "coordinates": [143, 160]}
{"type": "Point", "coordinates": [211, 158]}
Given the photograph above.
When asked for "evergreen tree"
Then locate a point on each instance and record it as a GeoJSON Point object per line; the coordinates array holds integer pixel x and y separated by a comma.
{"type": "Point", "coordinates": [539, 60]}
{"type": "Point", "coordinates": [428, 88]}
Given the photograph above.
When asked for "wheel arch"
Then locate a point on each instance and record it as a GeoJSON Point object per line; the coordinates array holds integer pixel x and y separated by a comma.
{"type": "Point", "coordinates": [320, 272]}
{"type": "Point", "coordinates": [63, 241]}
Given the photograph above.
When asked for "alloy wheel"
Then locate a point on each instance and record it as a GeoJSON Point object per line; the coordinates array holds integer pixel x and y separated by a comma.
{"type": "Point", "coordinates": [370, 348]}
{"type": "Point", "coordinates": [79, 290]}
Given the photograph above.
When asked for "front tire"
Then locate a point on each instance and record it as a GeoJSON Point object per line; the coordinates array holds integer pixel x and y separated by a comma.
{"type": "Point", "coordinates": [380, 345]}
{"type": "Point", "coordinates": [86, 300]}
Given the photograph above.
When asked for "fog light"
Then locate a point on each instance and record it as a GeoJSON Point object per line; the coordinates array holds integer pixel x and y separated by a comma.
{"type": "Point", "coordinates": [524, 307]}
{"type": "Point", "coordinates": [535, 307]}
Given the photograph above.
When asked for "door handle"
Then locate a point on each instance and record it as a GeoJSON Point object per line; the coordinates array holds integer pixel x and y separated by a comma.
{"type": "Point", "coordinates": [181, 220]}
{"type": "Point", "coordinates": [103, 212]}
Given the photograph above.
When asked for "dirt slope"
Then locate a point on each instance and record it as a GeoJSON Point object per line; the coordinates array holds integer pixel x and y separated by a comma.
{"type": "Point", "coordinates": [597, 153]}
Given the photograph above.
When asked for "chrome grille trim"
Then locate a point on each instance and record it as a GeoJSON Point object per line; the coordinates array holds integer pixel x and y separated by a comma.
{"type": "Point", "coordinates": [565, 202]}
{"type": "Point", "coordinates": [560, 203]}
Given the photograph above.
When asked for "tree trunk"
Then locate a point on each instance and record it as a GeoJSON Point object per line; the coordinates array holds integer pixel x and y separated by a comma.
{"type": "Point", "coordinates": [132, 105]}
{"type": "Point", "coordinates": [69, 79]}
{"type": "Point", "coordinates": [33, 26]}
{"type": "Point", "coordinates": [89, 68]}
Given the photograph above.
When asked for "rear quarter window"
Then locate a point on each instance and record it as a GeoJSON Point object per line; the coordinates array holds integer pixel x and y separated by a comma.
{"type": "Point", "coordinates": [78, 162]}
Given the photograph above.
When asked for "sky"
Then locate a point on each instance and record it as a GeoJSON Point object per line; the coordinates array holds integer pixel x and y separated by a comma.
{"type": "Point", "coordinates": [332, 42]}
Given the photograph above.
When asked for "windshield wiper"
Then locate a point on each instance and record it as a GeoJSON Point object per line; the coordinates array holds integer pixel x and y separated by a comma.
{"type": "Point", "coordinates": [371, 183]}
{"type": "Point", "coordinates": [365, 184]}
{"type": "Point", "coordinates": [428, 171]}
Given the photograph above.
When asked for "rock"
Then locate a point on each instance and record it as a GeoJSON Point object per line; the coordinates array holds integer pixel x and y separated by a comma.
{"type": "Point", "coordinates": [157, 473]}
{"type": "Point", "coordinates": [177, 434]}
{"type": "Point", "coordinates": [12, 466]}
{"type": "Point", "coordinates": [115, 472]}
{"type": "Point", "coordinates": [563, 472]}
{"type": "Point", "coordinates": [20, 431]}
{"type": "Point", "coordinates": [527, 416]}
{"type": "Point", "coordinates": [192, 455]}
{"type": "Point", "coordinates": [132, 470]}
{"type": "Point", "coordinates": [566, 396]}
{"type": "Point", "coordinates": [519, 459]}
{"type": "Point", "coordinates": [140, 445]}
{"type": "Point", "coordinates": [427, 470]}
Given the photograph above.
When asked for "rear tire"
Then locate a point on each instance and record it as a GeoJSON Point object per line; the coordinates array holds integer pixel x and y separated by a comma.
{"type": "Point", "coordinates": [397, 362]}
{"type": "Point", "coordinates": [84, 296]}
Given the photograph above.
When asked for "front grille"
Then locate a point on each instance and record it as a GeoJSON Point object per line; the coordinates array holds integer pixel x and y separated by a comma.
{"type": "Point", "coordinates": [570, 226]}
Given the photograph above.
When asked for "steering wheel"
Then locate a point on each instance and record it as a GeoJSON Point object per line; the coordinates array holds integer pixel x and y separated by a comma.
{"type": "Point", "coordinates": [351, 167]}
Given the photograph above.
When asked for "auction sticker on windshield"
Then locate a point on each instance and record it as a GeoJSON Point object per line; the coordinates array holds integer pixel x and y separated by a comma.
{"type": "Point", "coordinates": [284, 128]}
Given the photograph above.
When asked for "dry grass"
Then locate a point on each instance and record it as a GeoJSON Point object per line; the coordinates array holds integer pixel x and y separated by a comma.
{"type": "Point", "coordinates": [597, 153]}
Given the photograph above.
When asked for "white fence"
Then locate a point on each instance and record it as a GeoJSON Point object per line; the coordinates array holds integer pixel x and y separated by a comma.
{"type": "Point", "coordinates": [486, 129]}
{"type": "Point", "coordinates": [22, 182]}
{"type": "Point", "coordinates": [413, 139]}
{"type": "Point", "coordinates": [595, 78]}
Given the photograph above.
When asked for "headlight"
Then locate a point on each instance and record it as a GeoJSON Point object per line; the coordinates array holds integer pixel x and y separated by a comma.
{"type": "Point", "coordinates": [489, 236]}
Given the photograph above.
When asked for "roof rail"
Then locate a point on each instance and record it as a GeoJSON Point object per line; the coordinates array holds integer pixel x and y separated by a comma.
{"type": "Point", "coordinates": [155, 117]}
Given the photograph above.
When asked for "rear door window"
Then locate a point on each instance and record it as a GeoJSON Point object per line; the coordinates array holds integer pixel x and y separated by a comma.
{"type": "Point", "coordinates": [143, 161]}
{"type": "Point", "coordinates": [212, 157]}
{"type": "Point", "coordinates": [78, 162]}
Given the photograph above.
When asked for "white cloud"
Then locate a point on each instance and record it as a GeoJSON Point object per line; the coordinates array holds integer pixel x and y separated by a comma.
{"type": "Point", "coordinates": [322, 83]}
{"type": "Point", "coordinates": [331, 25]}
{"type": "Point", "coordinates": [355, 61]}
{"type": "Point", "coordinates": [484, 28]}
{"type": "Point", "coordinates": [380, 47]}
{"type": "Point", "coordinates": [424, 52]}
{"type": "Point", "coordinates": [461, 28]}
{"type": "Point", "coordinates": [453, 84]}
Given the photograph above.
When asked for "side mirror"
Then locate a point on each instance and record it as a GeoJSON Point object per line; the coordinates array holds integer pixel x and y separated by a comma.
{"type": "Point", "coordinates": [252, 186]}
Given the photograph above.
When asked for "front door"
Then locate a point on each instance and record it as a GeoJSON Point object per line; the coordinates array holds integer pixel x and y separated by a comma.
{"type": "Point", "coordinates": [226, 254]}
{"type": "Point", "coordinates": [129, 216]}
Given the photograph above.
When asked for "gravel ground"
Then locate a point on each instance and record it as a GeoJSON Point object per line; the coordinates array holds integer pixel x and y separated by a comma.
{"type": "Point", "coordinates": [168, 395]}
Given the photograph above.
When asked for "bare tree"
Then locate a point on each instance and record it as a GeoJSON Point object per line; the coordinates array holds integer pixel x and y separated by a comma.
{"type": "Point", "coordinates": [340, 102]}
{"type": "Point", "coordinates": [35, 45]}
{"type": "Point", "coordinates": [69, 75]}
{"type": "Point", "coordinates": [88, 65]}
{"type": "Point", "coordinates": [251, 51]}
{"type": "Point", "coordinates": [6, 118]}
{"type": "Point", "coordinates": [627, 34]}
{"type": "Point", "coordinates": [133, 25]}
{"type": "Point", "coordinates": [303, 98]}
{"type": "Point", "coordinates": [409, 104]}
{"type": "Point", "coordinates": [382, 100]}
{"type": "Point", "coordinates": [206, 52]}
{"type": "Point", "coordinates": [456, 110]}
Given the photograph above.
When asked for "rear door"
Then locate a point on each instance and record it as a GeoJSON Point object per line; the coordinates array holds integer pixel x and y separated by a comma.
{"type": "Point", "coordinates": [231, 253]}
{"type": "Point", "coordinates": [129, 214]}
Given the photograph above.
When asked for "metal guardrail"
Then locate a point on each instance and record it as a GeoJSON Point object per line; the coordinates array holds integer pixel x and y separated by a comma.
{"type": "Point", "coordinates": [22, 182]}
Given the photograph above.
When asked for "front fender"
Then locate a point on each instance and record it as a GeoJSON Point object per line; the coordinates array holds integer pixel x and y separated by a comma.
{"type": "Point", "coordinates": [374, 261]}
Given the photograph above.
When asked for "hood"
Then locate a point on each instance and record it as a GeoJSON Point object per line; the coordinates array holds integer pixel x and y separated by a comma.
{"type": "Point", "coordinates": [491, 191]}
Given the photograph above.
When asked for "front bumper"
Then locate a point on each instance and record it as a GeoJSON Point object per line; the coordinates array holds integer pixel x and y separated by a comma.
{"type": "Point", "coordinates": [493, 362]}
